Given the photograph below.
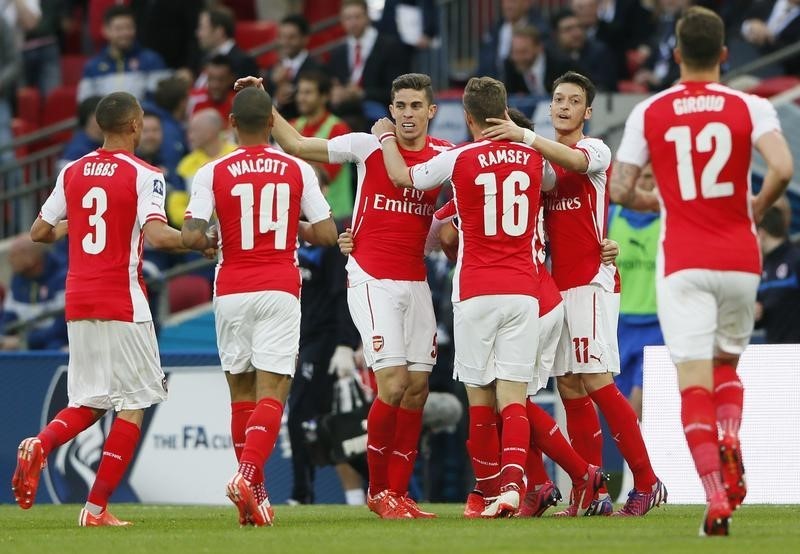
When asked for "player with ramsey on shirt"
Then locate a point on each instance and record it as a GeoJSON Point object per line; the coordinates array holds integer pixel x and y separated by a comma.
{"type": "Point", "coordinates": [575, 220]}
{"type": "Point", "coordinates": [258, 193]}
{"type": "Point", "coordinates": [699, 136]}
{"type": "Point", "coordinates": [388, 293]}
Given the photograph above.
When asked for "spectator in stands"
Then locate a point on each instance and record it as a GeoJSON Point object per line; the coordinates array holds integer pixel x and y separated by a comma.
{"type": "Point", "coordinates": [414, 23]}
{"type": "Point", "coordinates": [313, 93]}
{"type": "Point", "coordinates": [207, 143]}
{"type": "Point", "coordinates": [216, 29]}
{"type": "Point", "coordinates": [582, 54]}
{"type": "Point", "coordinates": [660, 70]}
{"type": "Point", "coordinates": [36, 288]}
{"type": "Point", "coordinates": [169, 103]}
{"type": "Point", "coordinates": [496, 45]}
{"type": "Point", "coordinates": [21, 16]}
{"type": "Point", "coordinates": [87, 137]}
{"type": "Point", "coordinates": [168, 27]}
{"type": "Point", "coordinates": [281, 81]}
{"type": "Point", "coordinates": [773, 24]}
{"type": "Point", "coordinates": [218, 93]}
{"type": "Point", "coordinates": [778, 305]}
{"type": "Point", "coordinates": [41, 54]}
{"type": "Point", "coordinates": [530, 69]}
{"type": "Point", "coordinates": [364, 66]}
{"type": "Point", "coordinates": [123, 64]}
{"type": "Point", "coordinates": [622, 25]}
{"type": "Point", "coordinates": [151, 147]}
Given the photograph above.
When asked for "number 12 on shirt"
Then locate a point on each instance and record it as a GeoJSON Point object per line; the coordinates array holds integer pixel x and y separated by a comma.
{"type": "Point", "coordinates": [274, 199]}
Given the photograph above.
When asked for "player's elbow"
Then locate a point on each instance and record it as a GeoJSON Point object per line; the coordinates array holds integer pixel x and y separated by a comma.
{"type": "Point", "coordinates": [325, 232]}
{"type": "Point", "coordinates": [401, 180]}
{"type": "Point", "coordinates": [41, 231]}
{"type": "Point", "coordinates": [192, 239]}
{"type": "Point", "coordinates": [784, 169]}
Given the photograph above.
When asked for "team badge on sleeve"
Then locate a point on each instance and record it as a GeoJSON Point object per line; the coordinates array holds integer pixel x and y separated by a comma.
{"type": "Point", "coordinates": [377, 343]}
{"type": "Point", "coordinates": [158, 187]}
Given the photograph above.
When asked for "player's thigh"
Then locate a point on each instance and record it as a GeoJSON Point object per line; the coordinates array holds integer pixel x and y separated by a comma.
{"type": "Point", "coordinates": [233, 322]}
{"type": "Point", "coordinates": [378, 311]}
{"type": "Point", "coordinates": [588, 343]}
{"type": "Point", "coordinates": [516, 344]}
{"type": "Point", "coordinates": [276, 332]}
{"type": "Point", "coordinates": [420, 327]}
{"type": "Point", "coordinates": [687, 311]}
{"type": "Point", "coordinates": [475, 324]}
{"type": "Point", "coordinates": [550, 328]}
{"type": "Point", "coordinates": [736, 297]}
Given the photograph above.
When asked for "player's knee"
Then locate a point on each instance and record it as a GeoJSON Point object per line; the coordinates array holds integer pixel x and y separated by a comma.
{"type": "Point", "coordinates": [570, 386]}
{"type": "Point", "coordinates": [392, 384]}
{"type": "Point", "coordinates": [416, 394]}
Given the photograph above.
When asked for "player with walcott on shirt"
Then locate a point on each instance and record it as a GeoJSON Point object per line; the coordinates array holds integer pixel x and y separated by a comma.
{"type": "Point", "coordinates": [588, 357]}
{"type": "Point", "coordinates": [495, 287]}
{"type": "Point", "coordinates": [388, 294]}
{"type": "Point", "coordinates": [259, 194]}
{"type": "Point", "coordinates": [112, 201]}
{"type": "Point", "coordinates": [699, 136]}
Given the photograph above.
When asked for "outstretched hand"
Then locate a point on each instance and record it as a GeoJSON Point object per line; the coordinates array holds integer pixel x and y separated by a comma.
{"type": "Point", "coordinates": [382, 126]}
{"type": "Point", "coordinates": [503, 129]}
{"type": "Point", "coordinates": [248, 81]}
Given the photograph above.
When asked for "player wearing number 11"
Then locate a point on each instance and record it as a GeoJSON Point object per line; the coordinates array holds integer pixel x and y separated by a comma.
{"type": "Point", "coordinates": [258, 193]}
{"type": "Point", "coordinates": [699, 136]}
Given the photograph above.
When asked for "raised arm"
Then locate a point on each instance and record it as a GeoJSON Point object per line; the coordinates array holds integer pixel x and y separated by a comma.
{"type": "Point", "coordinates": [623, 189]}
{"type": "Point", "coordinates": [555, 152]}
{"type": "Point", "coordinates": [396, 166]}
{"type": "Point", "coordinates": [780, 167]}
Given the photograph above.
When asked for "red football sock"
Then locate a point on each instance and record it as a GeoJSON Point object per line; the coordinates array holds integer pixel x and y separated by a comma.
{"type": "Point", "coordinates": [404, 451]}
{"type": "Point", "coordinates": [583, 427]}
{"type": "Point", "coordinates": [624, 426]}
{"type": "Point", "coordinates": [484, 449]}
{"type": "Point", "coordinates": [381, 425]}
{"type": "Point", "coordinates": [240, 413]}
{"type": "Point", "coordinates": [546, 435]}
{"type": "Point", "coordinates": [65, 427]}
{"type": "Point", "coordinates": [699, 426]}
{"type": "Point", "coordinates": [117, 454]}
{"type": "Point", "coordinates": [515, 441]}
{"type": "Point", "coordinates": [534, 469]}
{"type": "Point", "coordinates": [728, 398]}
{"type": "Point", "coordinates": [261, 433]}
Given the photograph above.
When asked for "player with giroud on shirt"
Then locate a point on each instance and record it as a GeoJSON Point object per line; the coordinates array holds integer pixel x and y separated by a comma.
{"type": "Point", "coordinates": [388, 294]}
{"type": "Point", "coordinates": [699, 136]}
{"type": "Point", "coordinates": [587, 359]}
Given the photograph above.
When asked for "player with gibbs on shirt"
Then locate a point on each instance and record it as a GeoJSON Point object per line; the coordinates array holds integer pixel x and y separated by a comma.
{"type": "Point", "coordinates": [113, 201]}
{"type": "Point", "coordinates": [495, 287]}
{"type": "Point", "coordinates": [699, 136]}
{"type": "Point", "coordinates": [258, 193]}
{"type": "Point", "coordinates": [576, 223]}
{"type": "Point", "coordinates": [388, 294]}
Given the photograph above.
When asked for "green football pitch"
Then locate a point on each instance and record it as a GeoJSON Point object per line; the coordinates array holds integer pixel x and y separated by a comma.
{"type": "Point", "coordinates": [332, 529]}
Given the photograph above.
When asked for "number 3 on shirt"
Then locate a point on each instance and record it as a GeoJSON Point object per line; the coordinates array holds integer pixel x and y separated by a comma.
{"type": "Point", "coordinates": [515, 205]}
{"type": "Point", "coordinates": [271, 194]}
{"type": "Point", "coordinates": [95, 241]}
{"type": "Point", "coordinates": [715, 137]}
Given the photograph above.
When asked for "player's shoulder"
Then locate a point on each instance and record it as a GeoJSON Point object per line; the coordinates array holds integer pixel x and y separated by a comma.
{"type": "Point", "coordinates": [293, 161]}
{"type": "Point", "coordinates": [752, 101]}
{"type": "Point", "coordinates": [659, 99]}
{"type": "Point", "coordinates": [438, 144]}
{"type": "Point", "coordinates": [592, 142]}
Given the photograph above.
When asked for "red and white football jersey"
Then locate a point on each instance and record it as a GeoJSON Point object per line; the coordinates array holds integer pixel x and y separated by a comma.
{"type": "Point", "coordinates": [699, 137]}
{"type": "Point", "coordinates": [107, 196]}
{"type": "Point", "coordinates": [496, 188]}
{"type": "Point", "coordinates": [258, 193]}
{"type": "Point", "coordinates": [576, 220]}
{"type": "Point", "coordinates": [390, 224]}
{"type": "Point", "coordinates": [549, 295]}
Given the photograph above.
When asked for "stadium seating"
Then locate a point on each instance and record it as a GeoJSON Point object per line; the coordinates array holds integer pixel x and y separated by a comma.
{"type": "Point", "coordinates": [251, 34]}
{"type": "Point", "coordinates": [59, 105]}
{"type": "Point", "coordinates": [72, 68]}
{"type": "Point", "coordinates": [29, 105]}
{"type": "Point", "coordinates": [187, 291]}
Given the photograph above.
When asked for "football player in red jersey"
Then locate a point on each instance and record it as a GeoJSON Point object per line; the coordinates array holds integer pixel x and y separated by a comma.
{"type": "Point", "coordinates": [113, 201]}
{"type": "Point", "coordinates": [588, 357]}
{"type": "Point", "coordinates": [388, 293]}
{"type": "Point", "coordinates": [258, 193]}
{"type": "Point", "coordinates": [699, 136]}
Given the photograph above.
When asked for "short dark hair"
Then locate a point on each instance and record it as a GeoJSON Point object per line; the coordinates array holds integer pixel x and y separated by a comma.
{"type": "Point", "coordinates": [360, 3]}
{"type": "Point", "coordinates": [520, 119]}
{"type": "Point", "coordinates": [170, 92]}
{"type": "Point", "coordinates": [414, 81]}
{"type": "Point", "coordinates": [701, 37]}
{"type": "Point", "coordinates": [485, 97]}
{"type": "Point", "coordinates": [86, 109]}
{"type": "Point", "coordinates": [298, 21]}
{"type": "Point", "coordinates": [117, 11]}
{"type": "Point", "coordinates": [222, 16]}
{"type": "Point", "coordinates": [222, 59]}
{"type": "Point", "coordinates": [320, 78]}
{"type": "Point", "coordinates": [581, 81]}
{"type": "Point", "coordinates": [774, 222]}
{"type": "Point", "coordinates": [115, 110]}
{"type": "Point", "coordinates": [559, 16]}
{"type": "Point", "coordinates": [529, 32]}
{"type": "Point", "coordinates": [252, 108]}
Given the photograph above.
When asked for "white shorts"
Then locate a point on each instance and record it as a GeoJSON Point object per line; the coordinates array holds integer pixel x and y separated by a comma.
{"type": "Point", "coordinates": [396, 322]}
{"type": "Point", "coordinates": [588, 342]}
{"type": "Point", "coordinates": [258, 330]}
{"type": "Point", "coordinates": [550, 326]}
{"type": "Point", "coordinates": [703, 312]}
{"type": "Point", "coordinates": [496, 337]}
{"type": "Point", "coordinates": [114, 365]}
